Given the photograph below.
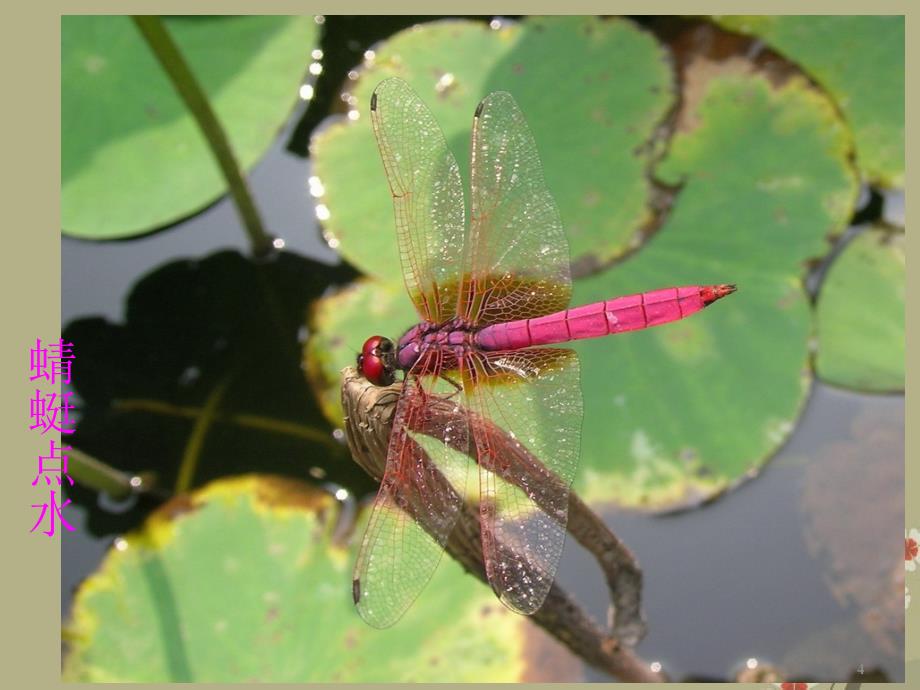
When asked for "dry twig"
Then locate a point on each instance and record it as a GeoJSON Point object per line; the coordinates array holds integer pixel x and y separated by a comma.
{"type": "Point", "coordinates": [369, 411]}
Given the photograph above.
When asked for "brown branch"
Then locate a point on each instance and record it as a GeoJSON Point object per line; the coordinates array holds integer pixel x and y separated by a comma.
{"type": "Point", "coordinates": [369, 414]}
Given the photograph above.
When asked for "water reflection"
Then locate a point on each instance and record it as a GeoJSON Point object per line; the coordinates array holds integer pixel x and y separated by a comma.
{"type": "Point", "coordinates": [789, 569]}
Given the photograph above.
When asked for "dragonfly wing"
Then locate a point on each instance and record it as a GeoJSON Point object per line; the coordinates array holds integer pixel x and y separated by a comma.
{"type": "Point", "coordinates": [525, 420]}
{"type": "Point", "coordinates": [518, 252]}
{"type": "Point", "coordinates": [417, 504]}
{"type": "Point", "coordinates": [427, 196]}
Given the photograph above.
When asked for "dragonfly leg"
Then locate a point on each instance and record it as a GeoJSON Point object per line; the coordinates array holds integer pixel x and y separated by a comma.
{"type": "Point", "coordinates": [453, 383]}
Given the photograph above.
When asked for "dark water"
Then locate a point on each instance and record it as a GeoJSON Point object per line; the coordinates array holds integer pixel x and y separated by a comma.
{"type": "Point", "coordinates": [751, 576]}
{"type": "Point", "coordinates": [737, 579]}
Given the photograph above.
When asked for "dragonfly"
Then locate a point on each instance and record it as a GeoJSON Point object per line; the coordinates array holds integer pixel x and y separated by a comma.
{"type": "Point", "coordinates": [479, 376]}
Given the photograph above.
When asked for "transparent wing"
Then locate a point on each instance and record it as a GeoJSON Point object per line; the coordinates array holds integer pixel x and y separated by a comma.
{"type": "Point", "coordinates": [427, 197]}
{"type": "Point", "coordinates": [525, 419]}
{"type": "Point", "coordinates": [518, 254]}
{"type": "Point", "coordinates": [417, 504]}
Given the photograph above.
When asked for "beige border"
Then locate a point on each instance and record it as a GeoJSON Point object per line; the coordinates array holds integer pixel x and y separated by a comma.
{"type": "Point", "coordinates": [30, 60]}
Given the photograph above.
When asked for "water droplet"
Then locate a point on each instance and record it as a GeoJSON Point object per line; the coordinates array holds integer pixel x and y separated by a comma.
{"type": "Point", "coordinates": [445, 82]}
{"type": "Point", "coordinates": [317, 188]}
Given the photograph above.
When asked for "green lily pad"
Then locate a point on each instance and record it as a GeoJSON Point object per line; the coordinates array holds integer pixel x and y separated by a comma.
{"type": "Point", "coordinates": [860, 61]}
{"type": "Point", "coordinates": [678, 413]}
{"type": "Point", "coordinates": [860, 315]}
{"type": "Point", "coordinates": [243, 582]}
{"type": "Point", "coordinates": [132, 157]}
{"type": "Point", "coordinates": [341, 323]}
{"type": "Point", "coordinates": [593, 92]}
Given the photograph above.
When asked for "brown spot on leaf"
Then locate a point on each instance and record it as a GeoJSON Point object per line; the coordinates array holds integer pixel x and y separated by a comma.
{"type": "Point", "coordinates": [697, 75]}
{"type": "Point", "coordinates": [177, 506]}
{"type": "Point", "coordinates": [703, 51]}
{"type": "Point", "coordinates": [601, 117]}
{"type": "Point", "coordinates": [789, 298]}
{"type": "Point", "coordinates": [291, 493]}
{"type": "Point", "coordinates": [591, 198]}
{"type": "Point", "coordinates": [688, 454]}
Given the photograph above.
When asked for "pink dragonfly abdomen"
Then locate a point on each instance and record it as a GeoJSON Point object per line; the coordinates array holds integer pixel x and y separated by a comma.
{"type": "Point", "coordinates": [618, 315]}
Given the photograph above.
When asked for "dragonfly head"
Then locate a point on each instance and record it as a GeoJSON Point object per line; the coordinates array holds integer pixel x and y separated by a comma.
{"type": "Point", "coordinates": [377, 360]}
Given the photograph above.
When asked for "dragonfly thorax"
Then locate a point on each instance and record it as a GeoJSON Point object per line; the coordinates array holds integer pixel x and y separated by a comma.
{"type": "Point", "coordinates": [429, 346]}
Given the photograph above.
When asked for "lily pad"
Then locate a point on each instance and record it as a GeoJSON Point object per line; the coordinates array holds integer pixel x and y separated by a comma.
{"type": "Point", "coordinates": [678, 413]}
{"type": "Point", "coordinates": [593, 92]}
{"type": "Point", "coordinates": [675, 414]}
{"type": "Point", "coordinates": [244, 582]}
{"type": "Point", "coordinates": [860, 61]}
{"type": "Point", "coordinates": [237, 378]}
{"type": "Point", "coordinates": [341, 323]}
{"type": "Point", "coordinates": [132, 157]}
{"type": "Point", "coordinates": [860, 315]}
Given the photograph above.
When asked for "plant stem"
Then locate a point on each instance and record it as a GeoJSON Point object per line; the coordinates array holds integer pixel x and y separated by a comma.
{"type": "Point", "coordinates": [87, 470]}
{"type": "Point", "coordinates": [192, 452]}
{"type": "Point", "coordinates": [166, 51]}
{"type": "Point", "coordinates": [250, 421]}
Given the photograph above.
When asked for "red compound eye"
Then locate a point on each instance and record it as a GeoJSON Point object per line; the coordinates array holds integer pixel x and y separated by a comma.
{"type": "Point", "coordinates": [373, 370]}
{"type": "Point", "coordinates": [375, 361]}
{"type": "Point", "coordinates": [371, 344]}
